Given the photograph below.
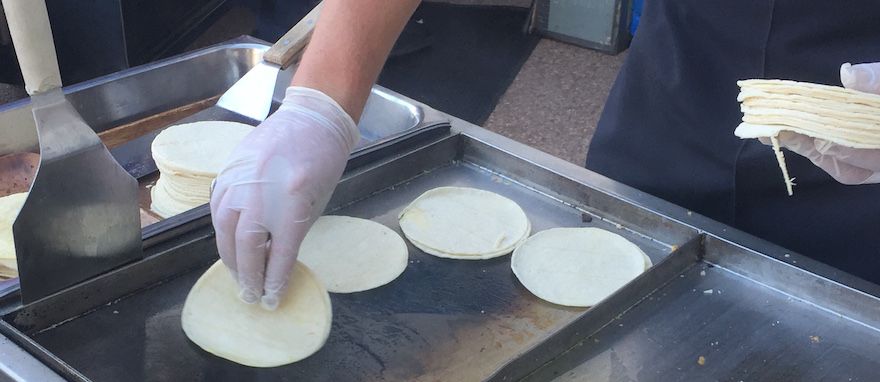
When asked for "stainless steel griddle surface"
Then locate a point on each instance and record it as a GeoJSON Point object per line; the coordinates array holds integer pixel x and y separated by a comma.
{"type": "Point", "coordinates": [743, 331]}
{"type": "Point", "coordinates": [441, 320]}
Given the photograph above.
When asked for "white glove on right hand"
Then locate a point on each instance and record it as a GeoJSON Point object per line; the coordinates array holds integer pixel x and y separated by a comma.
{"type": "Point", "coordinates": [276, 184]}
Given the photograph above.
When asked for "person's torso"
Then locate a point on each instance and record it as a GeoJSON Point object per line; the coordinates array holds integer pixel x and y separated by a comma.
{"type": "Point", "coordinates": [667, 127]}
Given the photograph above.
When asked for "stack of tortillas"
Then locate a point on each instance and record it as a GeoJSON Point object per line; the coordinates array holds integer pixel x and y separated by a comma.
{"type": "Point", "coordinates": [189, 157]}
{"type": "Point", "coordinates": [9, 207]}
{"type": "Point", "coordinates": [843, 116]}
{"type": "Point", "coordinates": [464, 223]}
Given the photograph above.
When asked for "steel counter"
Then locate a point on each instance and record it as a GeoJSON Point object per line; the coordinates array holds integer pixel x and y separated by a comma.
{"type": "Point", "coordinates": [717, 305]}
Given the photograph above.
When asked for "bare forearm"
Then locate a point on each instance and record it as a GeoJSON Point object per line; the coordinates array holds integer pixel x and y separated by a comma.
{"type": "Point", "coordinates": [349, 47]}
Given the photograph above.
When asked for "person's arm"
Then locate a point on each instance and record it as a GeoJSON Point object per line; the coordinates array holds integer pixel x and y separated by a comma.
{"type": "Point", "coordinates": [281, 176]}
{"type": "Point", "coordinates": [349, 47]}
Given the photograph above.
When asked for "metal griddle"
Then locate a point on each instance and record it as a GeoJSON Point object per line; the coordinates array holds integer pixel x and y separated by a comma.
{"type": "Point", "coordinates": [717, 305]}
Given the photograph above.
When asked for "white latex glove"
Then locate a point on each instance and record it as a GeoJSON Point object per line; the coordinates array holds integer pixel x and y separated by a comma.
{"type": "Point", "coordinates": [845, 164]}
{"type": "Point", "coordinates": [275, 185]}
{"type": "Point", "coordinates": [861, 77]}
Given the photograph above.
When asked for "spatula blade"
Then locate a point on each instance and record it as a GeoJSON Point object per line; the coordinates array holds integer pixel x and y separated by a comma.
{"type": "Point", "coordinates": [251, 96]}
{"type": "Point", "coordinates": [81, 216]}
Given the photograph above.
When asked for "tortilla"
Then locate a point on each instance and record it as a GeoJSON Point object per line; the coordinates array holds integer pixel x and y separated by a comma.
{"type": "Point", "coordinates": [216, 320]}
{"type": "Point", "coordinates": [189, 157]}
{"type": "Point", "coordinates": [9, 207]}
{"type": "Point", "coordinates": [576, 266]}
{"type": "Point", "coordinates": [464, 223]}
{"type": "Point", "coordinates": [352, 255]}
{"type": "Point", "coordinates": [843, 116]}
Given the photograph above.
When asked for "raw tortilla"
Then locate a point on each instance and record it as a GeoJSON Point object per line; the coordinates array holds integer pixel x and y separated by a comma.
{"type": "Point", "coordinates": [843, 116]}
{"type": "Point", "coordinates": [464, 223]}
{"type": "Point", "coordinates": [576, 266]}
{"type": "Point", "coordinates": [217, 321]}
{"type": "Point", "coordinates": [189, 157]}
{"type": "Point", "coordinates": [352, 255]}
{"type": "Point", "coordinates": [9, 207]}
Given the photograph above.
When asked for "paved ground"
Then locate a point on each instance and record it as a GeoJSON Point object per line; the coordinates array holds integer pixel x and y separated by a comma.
{"type": "Point", "coordinates": [556, 99]}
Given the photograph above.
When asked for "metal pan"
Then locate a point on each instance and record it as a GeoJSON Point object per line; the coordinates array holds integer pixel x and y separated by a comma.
{"type": "Point", "coordinates": [134, 94]}
{"type": "Point", "coordinates": [441, 320]}
{"type": "Point", "coordinates": [453, 320]}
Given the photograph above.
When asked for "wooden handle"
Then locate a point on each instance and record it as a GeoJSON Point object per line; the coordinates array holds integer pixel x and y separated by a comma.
{"type": "Point", "coordinates": [289, 46]}
{"type": "Point", "coordinates": [29, 27]}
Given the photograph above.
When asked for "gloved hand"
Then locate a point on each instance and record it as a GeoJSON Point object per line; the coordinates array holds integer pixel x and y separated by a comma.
{"type": "Point", "coordinates": [845, 164]}
{"type": "Point", "coordinates": [275, 185]}
{"type": "Point", "coordinates": [861, 77]}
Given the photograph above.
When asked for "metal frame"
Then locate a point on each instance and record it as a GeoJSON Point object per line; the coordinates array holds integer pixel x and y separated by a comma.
{"type": "Point", "coordinates": [618, 42]}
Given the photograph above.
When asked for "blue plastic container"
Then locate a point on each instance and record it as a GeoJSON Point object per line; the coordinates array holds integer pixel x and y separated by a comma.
{"type": "Point", "coordinates": [636, 14]}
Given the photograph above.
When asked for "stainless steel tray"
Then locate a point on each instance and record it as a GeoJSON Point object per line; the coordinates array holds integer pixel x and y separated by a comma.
{"type": "Point", "coordinates": [147, 90]}
{"type": "Point", "coordinates": [748, 308]}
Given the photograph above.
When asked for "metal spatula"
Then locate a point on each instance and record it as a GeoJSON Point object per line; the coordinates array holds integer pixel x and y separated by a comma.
{"type": "Point", "coordinates": [251, 96]}
{"type": "Point", "coordinates": [81, 216]}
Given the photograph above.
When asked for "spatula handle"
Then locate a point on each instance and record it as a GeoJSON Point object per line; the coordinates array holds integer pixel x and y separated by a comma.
{"type": "Point", "coordinates": [29, 27]}
{"type": "Point", "coordinates": [289, 46]}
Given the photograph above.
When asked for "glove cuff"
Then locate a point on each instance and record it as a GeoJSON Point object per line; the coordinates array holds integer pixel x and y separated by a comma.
{"type": "Point", "coordinates": [327, 108]}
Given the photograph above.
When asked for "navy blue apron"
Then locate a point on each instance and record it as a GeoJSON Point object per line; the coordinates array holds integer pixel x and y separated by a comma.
{"type": "Point", "coordinates": [667, 128]}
